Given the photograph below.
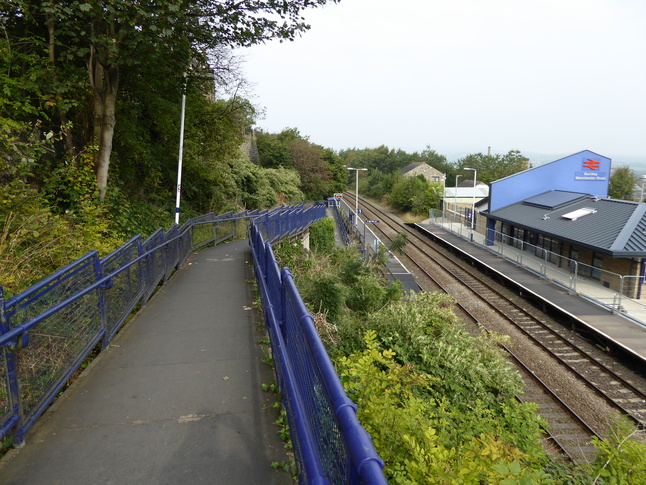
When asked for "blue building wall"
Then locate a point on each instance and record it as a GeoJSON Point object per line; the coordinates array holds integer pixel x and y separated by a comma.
{"type": "Point", "coordinates": [585, 172]}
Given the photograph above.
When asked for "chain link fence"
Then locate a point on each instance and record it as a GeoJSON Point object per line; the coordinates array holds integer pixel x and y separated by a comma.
{"type": "Point", "coordinates": [48, 330]}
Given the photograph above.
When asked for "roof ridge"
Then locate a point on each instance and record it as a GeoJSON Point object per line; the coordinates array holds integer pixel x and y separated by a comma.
{"type": "Point", "coordinates": [629, 228]}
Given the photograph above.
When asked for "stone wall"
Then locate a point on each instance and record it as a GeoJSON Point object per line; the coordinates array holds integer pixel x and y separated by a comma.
{"type": "Point", "coordinates": [431, 174]}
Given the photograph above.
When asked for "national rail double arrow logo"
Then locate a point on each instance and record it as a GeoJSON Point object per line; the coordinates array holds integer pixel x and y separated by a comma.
{"type": "Point", "coordinates": [591, 164]}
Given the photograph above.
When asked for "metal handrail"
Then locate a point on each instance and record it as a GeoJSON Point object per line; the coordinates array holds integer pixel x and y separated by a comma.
{"type": "Point", "coordinates": [79, 306]}
{"type": "Point", "coordinates": [330, 445]}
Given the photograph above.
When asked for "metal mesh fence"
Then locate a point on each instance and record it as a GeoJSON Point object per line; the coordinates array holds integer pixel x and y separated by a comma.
{"type": "Point", "coordinates": [53, 290]}
{"type": "Point", "coordinates": [203, 233]}
{"type": "Point", "coordinates": [54, 344]}
{"type": "Point", "coordinates": [126, 286]}
{"type": "Point", "coordinates": [171, 254]}
{"type": "Point", "coordinates": [48, 330]}
{"type": "Point", "coordinates": [325, 431]}
{"type": "Point", "coordinates": [329, 443]}
{"type": "Point", "coordinates": [153, 266]}
{"type": "Point", "coordinates": [5, 396]}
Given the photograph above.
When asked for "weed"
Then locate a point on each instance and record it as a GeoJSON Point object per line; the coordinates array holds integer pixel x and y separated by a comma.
{"type": "Point", "coordinates": [271, 387]}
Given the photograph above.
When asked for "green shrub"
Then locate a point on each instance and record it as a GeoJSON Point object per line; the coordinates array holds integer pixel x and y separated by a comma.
{"type": "Point", "coordinates": [292, 254]}
{"type": "Point", "coordinates": [35, 242]}
{"type": "Point", "coordinates": [366, 295]}
{"type": "Point", "coordinates": [325, 294]}
{"type": "Point", "coordinates": [322, 236]}
{"type": "Point", "coordinates": [621, 459]}
{"type": "Point", "coordinates": [370, 292]}
{"type": "Point", "coordinates": [424, 332]}
{"type": "Point", "coordinates": [352, 269]}
{"type": "Point", "coordinates": [415, 436]}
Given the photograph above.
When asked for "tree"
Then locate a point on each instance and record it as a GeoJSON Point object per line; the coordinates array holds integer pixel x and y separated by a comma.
{"type": "Point", "coordinates": [307, 159]}
{"type": "Point", "coordinates": [272, 151]}
{"type": "Point", "coordinates": [622, 183]}
{"type": "Point", "coordinates": [110, 36]}
{"type": "Point", "coordinates": [439, 162]}
{"type": "Point", "coordinates": [381, 158]}
{"type": "Point", "coordinates": [494, 167]}
{"type": "Point", "coordinates": [338, 172]}
{"type": "Point", "coordinates": [410, 194]}
{"type": "Point", "coordinates": [320, 169]}
{"type": "Point", "coordinates": [435, 160]}
{"type": "Point", "coordinates": [379, 184]}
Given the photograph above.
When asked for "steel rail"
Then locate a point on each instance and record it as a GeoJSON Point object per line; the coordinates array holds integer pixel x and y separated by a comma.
{"type": "Point", "coordinates": [638, 395]}
{"type": "Point", "coordinates": [396, 226]}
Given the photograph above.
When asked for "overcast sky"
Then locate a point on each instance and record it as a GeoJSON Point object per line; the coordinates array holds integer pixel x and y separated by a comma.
{"type": "Point", "coordinates": [550, 77]}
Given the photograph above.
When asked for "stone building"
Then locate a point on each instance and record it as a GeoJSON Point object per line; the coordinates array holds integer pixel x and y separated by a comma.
{"type": "Point", "coordinates": [421, 168]}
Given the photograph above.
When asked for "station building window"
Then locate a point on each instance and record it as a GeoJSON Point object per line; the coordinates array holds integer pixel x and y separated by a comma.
{"type": "Point", "coordinates": [551, 246]}
{"type": "Point", "coordinates": [519, 235]}
{"type": "Point", "coordinates": [574, 256]}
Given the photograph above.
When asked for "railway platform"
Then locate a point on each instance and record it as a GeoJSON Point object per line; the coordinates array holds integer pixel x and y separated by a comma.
{"type": "Point", "coordinates": [394, 269]}
{"type": "Point", "coordinates": [613, 327]}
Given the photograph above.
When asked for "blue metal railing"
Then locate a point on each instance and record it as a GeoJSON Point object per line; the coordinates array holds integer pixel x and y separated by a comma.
{"type": "Point", "coordinates": [330, 445]}
{"type": "Point", "coordinates": [48, 330]}
{"type": "Point", "coordinates": [340, 224]}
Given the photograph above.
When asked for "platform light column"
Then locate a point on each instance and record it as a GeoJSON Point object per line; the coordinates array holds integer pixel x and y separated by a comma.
{"type": "Point", "coordinates": [473, 203]}
{"type": "Point", "coordinates": [455, 196]}
{"type": "Point", "coordinates": [356, 192]}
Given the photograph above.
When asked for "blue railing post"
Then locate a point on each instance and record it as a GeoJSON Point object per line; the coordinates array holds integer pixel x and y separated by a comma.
{"type": "Point", "coordinates": [14, 409]}
{"type": "Point", "coordinates": [101, 301]}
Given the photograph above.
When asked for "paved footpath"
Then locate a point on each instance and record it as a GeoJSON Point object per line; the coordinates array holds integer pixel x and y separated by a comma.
{"type": "Point", "coordinates": [177, 398]}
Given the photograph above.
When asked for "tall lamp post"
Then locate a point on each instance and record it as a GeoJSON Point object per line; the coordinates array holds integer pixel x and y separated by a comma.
{"type": "Point", "coordinates": [643, 181]}
{"type": "Point", "coordinates": [443, 196]}
{"type": "Point", "coordinates": [192, 66]}
{"type": "Point", "coordinates": [455, 196]}
{"type": "Point", "coordinates": [356, 192]}
{"type": "Point", "coordinates": [473, 203]}
{"type": "Point", "coordinates": [181, 152]}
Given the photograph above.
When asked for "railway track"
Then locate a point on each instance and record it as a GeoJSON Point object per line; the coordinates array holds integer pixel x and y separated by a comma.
{"type": "Point", "coordinates": [479, 301]}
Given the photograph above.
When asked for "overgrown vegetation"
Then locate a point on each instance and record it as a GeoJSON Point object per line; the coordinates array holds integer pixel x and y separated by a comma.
{"type": "Point", "coordinates": [321, 170]}
{"type": "Point", "coordinates": [90, 115]}
{"type": "Point", "coordinates": [437, 401]}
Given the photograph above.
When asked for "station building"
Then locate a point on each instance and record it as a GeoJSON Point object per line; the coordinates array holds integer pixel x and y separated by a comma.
{"type": "Point", "coordinates": [461, 198]}
{"type": "Point", "coordinates": [560, 211]}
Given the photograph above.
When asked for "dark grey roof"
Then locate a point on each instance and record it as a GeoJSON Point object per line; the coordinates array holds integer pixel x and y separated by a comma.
{"type": "Point", "coordinates": [616, 227]}
{"type": "Point", "coordinates": [553, 199]}
{"type": "Point", "coordinates": [410, 167]}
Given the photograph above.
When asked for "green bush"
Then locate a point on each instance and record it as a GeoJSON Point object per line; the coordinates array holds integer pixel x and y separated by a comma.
{"type": "Point", "coordinates": [369, 293]}
{"type": "Point", "coordinates": [621, 459]}
{"type": "Point", "coordinates": [322, 238]}
{"type": "Point", "coordinates": [416, 436]}
{"type": "Point", "coordinates": [424, 332]}
{"type": "Point", "coordinates": [292, 254]}
{"type": "Point", "coordinates": [438, 402]}
{"type": "Point", "coordinates": [35, 242]}
{"type": "Point", "coordinates": [326, 294]}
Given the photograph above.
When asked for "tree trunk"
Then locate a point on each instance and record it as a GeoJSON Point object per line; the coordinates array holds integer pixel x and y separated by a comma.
{"type": "Point", "coordinates": [51, 47]}
{"type": "Point", "coordinates": [105, 85]}
{"type": "Point", "coordinates": [102, 158]}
